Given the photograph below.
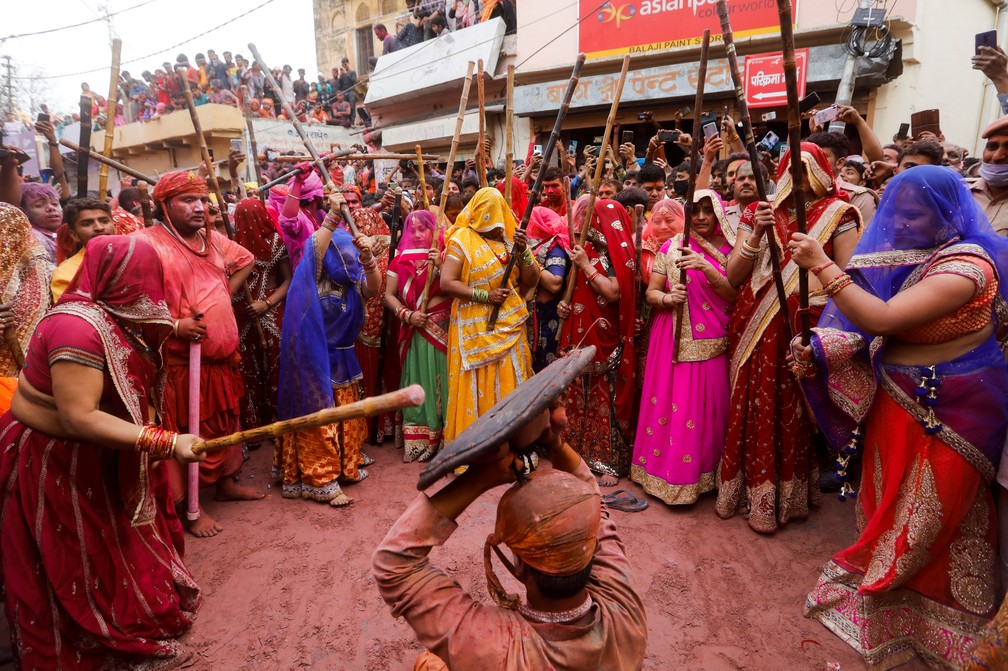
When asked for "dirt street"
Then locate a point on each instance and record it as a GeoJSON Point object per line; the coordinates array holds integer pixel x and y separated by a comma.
{"type": "Point", "coordinates": [288, 583]}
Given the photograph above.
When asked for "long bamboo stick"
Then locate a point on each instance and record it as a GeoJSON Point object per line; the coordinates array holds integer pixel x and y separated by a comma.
{"type": "Point", "coordinates": [309, 145]}
{"type": "Point", "coordinates": [442, 221]}
{"type": "Point", "coordinates": [570, 212]}
{"type": "Point", "coordinates": [112, 163]}
{"type": "Point", "coordinates": [536, 192]}
{"type": "Point", "coordinates": [145, 203]}
{"type": "Point", "coordinates": [326, 159]}
{"type": "Point", "coordinates": [691, 188]}
{"type": "Point", "coordinates": [208, 162]}
{"type": "Point", "coordinates": [192, 493]}
{"type": "Point", "coordinates": [253, 145]}
{"type": "Point", "coordinates": [750, 140]}
{"type": "Point", "coordinates": [110, 114]}
{"type": "Point", "coordinates": [423, 181]}
{"type": "Point", "coordinates": [481, 157]}
{"type": "Point", "coordinates": [794, 139]}
{"type": "Point", "coordinates": [84, 151]}
{"type": "Point", "coordinates": [593, 194]}
{"type": "Point", "coordinates": [410, 397]}
{"type": "Point", "coordinates": [394, 228]}
{"type": "Point", "coordinates": [509, 135]}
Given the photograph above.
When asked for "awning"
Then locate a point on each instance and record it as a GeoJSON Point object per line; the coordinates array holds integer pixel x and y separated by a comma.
{"type": "Point", "coordinates": [434, 65]}
{"type": "Point", "coordinates": [675, 81]}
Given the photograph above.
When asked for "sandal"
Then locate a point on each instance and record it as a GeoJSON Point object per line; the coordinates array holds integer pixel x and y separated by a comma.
{"type": "Point", "coordinates": [367, 460]}
{"type": "Point", "coordinates": [618, 494]}
{"type": "Point", "coordinates": [627, 503]}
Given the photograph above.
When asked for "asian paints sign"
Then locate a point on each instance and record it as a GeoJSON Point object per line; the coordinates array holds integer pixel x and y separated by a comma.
{"type": "Point", "coordinates": [642, 26]}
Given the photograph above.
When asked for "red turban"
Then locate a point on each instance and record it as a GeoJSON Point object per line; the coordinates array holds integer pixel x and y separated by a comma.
{"type": "Point", "coordinates": [179, 183]}
{"type": "Point", "coordinates": [550, 522]}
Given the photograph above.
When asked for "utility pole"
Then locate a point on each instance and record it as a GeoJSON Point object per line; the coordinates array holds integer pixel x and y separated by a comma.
{"type": "Point", "coordinates": [845, 91]}
{"type": "Point", "coordinates": [9, 107]}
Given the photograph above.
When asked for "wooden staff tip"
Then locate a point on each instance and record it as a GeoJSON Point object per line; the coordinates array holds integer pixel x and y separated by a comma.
{"type": "Point", "coordinates": [415, 395]}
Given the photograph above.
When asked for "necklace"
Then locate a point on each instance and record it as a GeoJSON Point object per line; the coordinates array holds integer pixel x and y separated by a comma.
{"type": "Point", "coordinates": [174, 234]}
{"type": "Point", "coordinates": [561, 617]}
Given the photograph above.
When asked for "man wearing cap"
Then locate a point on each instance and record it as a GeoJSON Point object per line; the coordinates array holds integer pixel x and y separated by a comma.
{"type": "Point", "coordinates": [581, 608]}
{"type": "Point", "coordinates": [991, 190]}
{"type": "Point", "coordinates": [200, 274]}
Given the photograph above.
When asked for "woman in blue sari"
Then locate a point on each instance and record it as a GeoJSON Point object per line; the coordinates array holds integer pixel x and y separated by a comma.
{"type": "Point", "coordinates": [318, 366]}
{"type": "Point", "coordinates": [908, 359]}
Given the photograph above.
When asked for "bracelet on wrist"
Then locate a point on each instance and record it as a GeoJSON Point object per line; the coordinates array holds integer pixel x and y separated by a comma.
{"type": "Point", "coordinates": [818, 269]}
{"type": "Point", "coordinates": [155, 441]}
{"type": "Point", "coordinates": [839, 283]}
{"type": "Point", "coordinates": [750, 248]}
{"type": "Point", "coordinates": [744, 253]}
{"type": "Point", "coordinates": [481, 295]}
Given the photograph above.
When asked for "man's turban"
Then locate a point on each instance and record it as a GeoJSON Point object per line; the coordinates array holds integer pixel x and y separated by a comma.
{"type": "Point", "coordinates": [179, 183]}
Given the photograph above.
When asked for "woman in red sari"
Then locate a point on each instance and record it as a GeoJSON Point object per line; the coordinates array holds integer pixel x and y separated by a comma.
{"type": "Point", "coordinates": [768, 470]}
{"type": "Point", "coordinates": [257, 231]}
{"type": "Point", "coordinates": [909, 363]}
{"type": "Point", "coordinates": [372, 226]}
{"type": "Point", "coordinates": [90, 545]}
{"type": "Point", "coordinates": [601, 313]}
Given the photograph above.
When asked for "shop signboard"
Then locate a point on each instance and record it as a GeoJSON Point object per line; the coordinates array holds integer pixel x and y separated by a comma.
{"type": "Point", "coordinates": [765, 84]}
{"type": "Point", "coordinates": [644, 26]}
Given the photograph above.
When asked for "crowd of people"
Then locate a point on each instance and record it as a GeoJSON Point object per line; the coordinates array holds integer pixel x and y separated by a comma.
{"type": "Point", "coordinates": [700, 383]}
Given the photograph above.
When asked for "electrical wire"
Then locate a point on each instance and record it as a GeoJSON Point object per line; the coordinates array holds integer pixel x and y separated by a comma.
{"type": "Point", "coordinates": [161, 51]}
{"type": "Point", "coordinates": [75, 25]}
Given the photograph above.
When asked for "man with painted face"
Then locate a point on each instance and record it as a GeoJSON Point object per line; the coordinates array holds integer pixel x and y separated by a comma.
{"type": "Point", "coordinates": [202, 270]}
{"type": "Point", "coordinates": [991, 190]}
{"type": "Point", "coordinates": [554, 197]}
{"type": "Point", "coordinates": [651, 178]}
{"type": "Point", "coordinates": [42, 205]}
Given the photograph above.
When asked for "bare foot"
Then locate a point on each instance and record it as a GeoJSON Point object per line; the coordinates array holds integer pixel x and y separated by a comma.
{"type": "Point", "coordinates": [340, 501]}
{"type": "Point", "coordinates": [204, 526]}
{"type": "Point", "coordinates": [607, 480]}
{"type": "Point", "coordinates": [229, 490]}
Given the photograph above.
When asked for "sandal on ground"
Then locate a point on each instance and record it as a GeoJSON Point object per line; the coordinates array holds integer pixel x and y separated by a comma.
{"type": "Point", "coordinates": [628, 504]}
{"type": "Point", "coordinates": [367, 460]}
{"type": "Point", "coordinates": [618, 494]}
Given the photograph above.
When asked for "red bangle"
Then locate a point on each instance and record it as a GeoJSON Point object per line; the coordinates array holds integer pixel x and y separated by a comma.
{"type": "Point", "coordinates": [819, 269]}
{"type": "Point", "coordinates": [593, 276]}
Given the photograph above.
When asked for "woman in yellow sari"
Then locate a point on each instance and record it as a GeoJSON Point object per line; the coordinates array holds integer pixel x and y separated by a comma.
{"type": "Point", "coordinates": [485, 366]}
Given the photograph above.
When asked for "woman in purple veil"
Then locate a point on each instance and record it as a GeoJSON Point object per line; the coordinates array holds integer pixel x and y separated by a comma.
{"type": "Point", "coordinates": [908, 360]}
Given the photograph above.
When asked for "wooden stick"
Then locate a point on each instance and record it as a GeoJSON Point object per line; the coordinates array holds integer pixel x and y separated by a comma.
{"type": "Point", "coordinates": [192, 493]}
{"type": "Point", "coordinates": [442, 221]}
{"type": "Point", "coordinates": [208, 162]}
{"type": "Point", "coordinates": [253, 145]}
{"type": "Point", "coordinates": [316, 159]}
{"type": "Point", "coordinates": [84, 151]}
{"type": "Point", "coordinates": [410, 397]}
{"type": "Point", "coordinates": [110, 114]}
{"type": "Point", "coordinates": [570, 213]}
{"type": "Point", "coordinates": [750, 140]}
{"type": "Point", "coordinates": [145, 204]}
{"type": "Point", "coordinates": [121, 167]}
{"type": "Point", "coordinates": [586, 225]}
{"type": "Point", "coordinates": [509, 135]}
{"type": "Point", "coordinates": [14, 345]}
{"type": "Point", "coordinates": [481, 157]}
{"type": "Point", "coordinates": [534, 194]}
{"type": "Point", "coordinates": [691, 188]}
{"type": "Point", "coordinates": [639, 239]}
{"type": "Point", "coordinates": [794, 139]}
{"type": "Point", "coordinates": [192, 168]}
{"type": "Point", "coordinates": [326, 159]}
{"type": "Point", "coordinates": [344, 156]}
{"type": "Point", "coordinates": [423, 182]}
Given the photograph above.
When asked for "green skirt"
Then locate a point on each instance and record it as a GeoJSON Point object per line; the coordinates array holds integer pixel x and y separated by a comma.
{"type": "Point", "coordinates": [423, 426]}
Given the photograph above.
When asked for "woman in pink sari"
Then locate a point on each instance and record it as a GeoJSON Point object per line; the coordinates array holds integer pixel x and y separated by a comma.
{"type": "Point", "coordinates": [667, 219]}
{"type": "Point", "coordinates": [684, 409]}
{"type": "Point", "coordinates": [423, 336]}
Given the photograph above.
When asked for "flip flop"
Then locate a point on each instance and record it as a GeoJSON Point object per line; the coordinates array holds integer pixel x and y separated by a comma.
{"type": "Point", "coordinates": [634, 505]}
{"type": "Point", "coordinates": [617, 494]}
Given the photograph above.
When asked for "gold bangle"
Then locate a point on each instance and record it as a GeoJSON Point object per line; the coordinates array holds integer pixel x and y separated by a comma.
{"type": "Point", "coordinates": [749, 248]}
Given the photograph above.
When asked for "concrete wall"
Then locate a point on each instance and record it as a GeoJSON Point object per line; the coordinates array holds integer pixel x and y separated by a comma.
{"type": "Point", "coordinates": [937, 72]}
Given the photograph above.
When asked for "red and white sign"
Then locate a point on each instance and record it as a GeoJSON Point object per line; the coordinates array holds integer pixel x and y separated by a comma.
{"type": "Point", "coordinates": [765, 85]}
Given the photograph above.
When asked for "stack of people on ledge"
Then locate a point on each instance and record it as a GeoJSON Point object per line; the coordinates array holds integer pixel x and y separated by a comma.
{"type": "Point", "coordinates": [701, 385]}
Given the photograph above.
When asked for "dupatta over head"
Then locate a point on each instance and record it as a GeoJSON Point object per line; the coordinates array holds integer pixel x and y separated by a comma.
{"type": "Point", "coordinates": [322, 317]}
{"type": "Point", "coordinates": [411, 267]}
{"type": "Point", "coordinates": [894, 254]}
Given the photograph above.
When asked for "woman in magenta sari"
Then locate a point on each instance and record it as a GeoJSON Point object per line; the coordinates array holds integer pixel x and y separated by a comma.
{"type": "Point", "coordinates": [549, 241]}
{"type": "Point", "coordinates": [423, 336]}
{"type": "Point", "coordinates": [90, 546]}
{"type": "Point", "coordinates": [684, 410]}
